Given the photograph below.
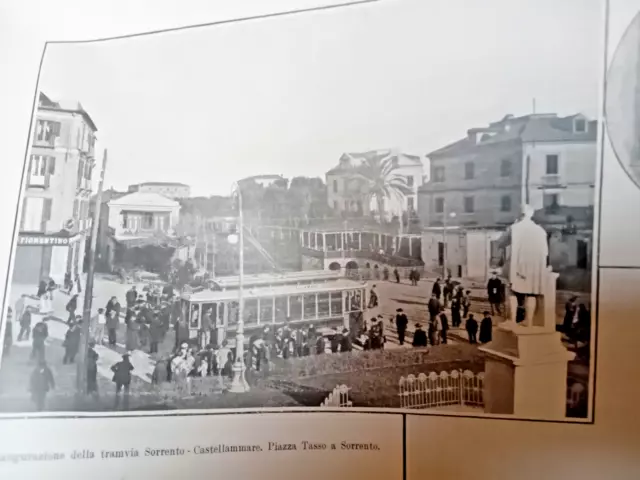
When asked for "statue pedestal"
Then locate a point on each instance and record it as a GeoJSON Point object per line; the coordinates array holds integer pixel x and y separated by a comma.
{"type": "Point", "coordinates": [526, 364]}
{"type": "Point", "coordinates": [526, 372]}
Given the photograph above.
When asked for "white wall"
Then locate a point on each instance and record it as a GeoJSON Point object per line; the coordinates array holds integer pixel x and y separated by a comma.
{"type": "Point", "coordinates": [115, 219]}
{"type": "Point", "coordinates": [576, 172]}
{"type": "Point", "coordinates": [58, 268]}
{"type": "Point", "coordinates": [479, 252]}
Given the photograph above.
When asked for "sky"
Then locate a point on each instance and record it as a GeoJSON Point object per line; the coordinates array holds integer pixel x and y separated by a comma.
{"type": "Point", "coordinates": [289, 95]}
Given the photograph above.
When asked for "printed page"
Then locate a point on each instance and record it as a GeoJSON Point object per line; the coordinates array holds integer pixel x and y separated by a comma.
{"type": "Point", "coordinates": [334, 238]}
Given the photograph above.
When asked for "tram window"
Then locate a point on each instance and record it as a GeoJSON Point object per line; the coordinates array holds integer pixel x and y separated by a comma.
{"type": "Point", "coordinates": [281, 309]}
{"type": "Point", "coordinates": [295, 307]}
{"type": "Point", "coordinates": [251, 311]}
{"type": "Point", "coordinates": [336, 303]}
{"type": "Point", "coordinates": [323, 305]}
{"type": "Point", "coordinates": [266, 310]}
{"type": "Point", "coordinates": [194, 321]}
{"type": "Point", "coordinates": [220, 320]}
{"type": "Point", "coordinates": [233, 313]}
{"type": "Point", "coordinates": [309, 306]}
{"type": "Point", "coordinates": [210, 309]}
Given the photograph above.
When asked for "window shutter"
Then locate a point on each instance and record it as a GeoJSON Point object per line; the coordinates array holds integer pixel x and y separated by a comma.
{"type": "Point", "coordinates": [23, 217]}
{"type": "Point", "coordinates": [52, 165]}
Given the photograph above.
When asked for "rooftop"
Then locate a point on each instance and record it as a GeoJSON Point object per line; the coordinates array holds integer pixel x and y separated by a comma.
{"type": "Point", "coordinates": [348, 161]}
{"type": "Point", "coordinates": [539, 127]}
{"type": "Point", "coordinates": [144, 199]}
{"type": "Point", "coordinates": [69, 106]}
{"type": "Point", "coordinates": [339, 285]}
{"type": "Point", "coordinates": [271, 278]}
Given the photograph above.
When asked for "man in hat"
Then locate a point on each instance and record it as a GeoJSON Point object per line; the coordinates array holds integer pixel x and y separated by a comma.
{"type": "Point", "coordinates": [419, 337]}
{"type": "Point", "coordinates": [373, 298]}
{"type": "Point", "coordinates": [122, 378]}
{"type": "Point", "coordinates": [25, 324]}
{"type": "Point", "coordinates": [346, 344]}
{"type": "Point", "coordinates": [40, 383]}
{"type": "Point", "coordinates": [494, 292]}
{"type": "Point", "coordinates": [401, 325]}
{"type": "Point", "coordinates": [71, 341]}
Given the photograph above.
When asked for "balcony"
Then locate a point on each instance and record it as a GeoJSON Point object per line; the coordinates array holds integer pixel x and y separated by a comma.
{"type": "Point", "coordinates": [38, 181]}
{"type": "Point", "coordinates": [550, 181]}
{"type": "Point", "coordinates": [84, 185]}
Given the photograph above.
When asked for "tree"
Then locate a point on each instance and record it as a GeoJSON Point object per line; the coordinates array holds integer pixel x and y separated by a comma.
{"type": "Point", "coordinates": [380, 179]}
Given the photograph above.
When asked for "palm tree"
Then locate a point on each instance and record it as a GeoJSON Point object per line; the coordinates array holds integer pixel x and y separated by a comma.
{"type": "Point", "coordinates": [379, 177]}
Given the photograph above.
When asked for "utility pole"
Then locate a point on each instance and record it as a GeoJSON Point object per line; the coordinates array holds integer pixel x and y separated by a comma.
{"type": "Point", "coordinates": [88, 293]}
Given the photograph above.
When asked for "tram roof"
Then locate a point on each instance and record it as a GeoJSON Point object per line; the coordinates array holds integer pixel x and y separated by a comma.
{"type": "Point", "coordinates": [339, 285]}
{"type": "Point", "coordinates": [266, 278]}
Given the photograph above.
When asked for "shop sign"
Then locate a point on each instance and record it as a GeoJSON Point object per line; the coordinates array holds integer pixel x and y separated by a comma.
{"type": "Point", "coordinates": [26, 240]}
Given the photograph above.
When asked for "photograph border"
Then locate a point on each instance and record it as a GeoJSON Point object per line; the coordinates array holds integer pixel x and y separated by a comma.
{"type": "Point", "coordinates": [603, 56]}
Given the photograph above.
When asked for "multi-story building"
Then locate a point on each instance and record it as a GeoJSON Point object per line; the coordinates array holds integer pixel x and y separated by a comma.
{"type": "Point", "coordinates": [344, 193]}
{"type": "Point", "coordinates": [481, 180]}
{"type": "Point", "coordinates": [166, 189]}
{"type": "Point", "coordinates": [263, 180]}
{"type": "Point", "coordinates": [54, 218]}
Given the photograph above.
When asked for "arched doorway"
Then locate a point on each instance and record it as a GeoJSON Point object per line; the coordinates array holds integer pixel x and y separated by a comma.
{"type": "Point", "coordinates": [351, 265]}
{"type": "Point", "coordinates": [334, 266]}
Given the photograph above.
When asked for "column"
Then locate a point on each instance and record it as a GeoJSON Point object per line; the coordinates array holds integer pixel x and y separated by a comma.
{"type": "Point", "coordinates": [410, 248]}
{"type": "Point", "coordinates": [345, 311]}
{"type": "Point", "coordinates": [316, 305]}
{"type": "Point", "coordinates": [258, 312]}
{"type": "Point", "coordinates": [288, 306]}
{"type": "Point", "coordinates": [273, 310]}
{"type": "Point", "coordinates": [360, 241]}
{"type": "Point", "coordinates": [301, 307]}
{"type": "Point", "coordinates": [324, 242]}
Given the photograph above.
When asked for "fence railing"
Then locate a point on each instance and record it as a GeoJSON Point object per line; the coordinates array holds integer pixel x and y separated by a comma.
{"type": "Point", "coordinates": [339, 397]}
{"type": "Point", "coordinates": [438, 390]}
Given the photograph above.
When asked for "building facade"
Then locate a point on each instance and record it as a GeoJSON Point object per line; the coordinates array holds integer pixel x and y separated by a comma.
{"type": "Point", "coordinates": [166, 189]}
{"type": "Point", "coordinates": [344, 194]}
{"type": "Point", "coordinates": [54, 219]}
{"type": "Point", "coordinates": [483, 179]}
{"type": "Point", "coordinates": [143, 215]}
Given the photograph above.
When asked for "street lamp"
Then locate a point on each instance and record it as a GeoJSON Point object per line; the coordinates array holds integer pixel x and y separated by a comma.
{"type": "Point", "coordinates": [451, 215]}
{"type": "Point", "coordinates": [239, 383]}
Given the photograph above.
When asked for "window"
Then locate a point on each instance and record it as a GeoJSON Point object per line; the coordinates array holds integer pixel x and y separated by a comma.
{"type": "Point", "coordinates": [468, 170]}
{"type": "Point", "coordinates": [47, 131]}
{"type": "Point", "coordinates": [468, 205]}
{"type": "Point", "coordinates": [335, 186]}
{"type": "Point", "coordinates": [439, 205]}
{"type": "Point", "coordinates": [42, 165]}
{"type": "Point", "coordinates": [580, 125]}
{"type": "Point", "coordinates": [410, 181]}
{"type": "Point", "coordinates": [125, 220]}
{"type": "Point", "coordinates": [505, 168]}
{"type": "Point", "coordinates": [551, 202]}
{"type": "Point", "coordinates": [552, 165]}
{"type": "Point", "coordinates": [410, 203]}
{"type": "Point", "coordinates": [438, 174]}
{"type": "Point", "coordinates": [81, 173]}
{"type": "Point", "coordinates": [505, 203]}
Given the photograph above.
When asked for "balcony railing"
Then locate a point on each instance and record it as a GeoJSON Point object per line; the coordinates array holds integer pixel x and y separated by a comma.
{"type": "Point", "coordinates": [551, 180]}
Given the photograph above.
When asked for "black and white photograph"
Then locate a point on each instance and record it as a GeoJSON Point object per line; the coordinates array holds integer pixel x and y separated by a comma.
{"type": "Point", "coordinates": [385, 207]}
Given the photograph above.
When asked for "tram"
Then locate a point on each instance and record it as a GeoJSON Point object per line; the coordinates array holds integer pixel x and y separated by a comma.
{"type": "Point", "coordinates": [305, 277]}
{"type": "Point", "coordinates": [327, 306]}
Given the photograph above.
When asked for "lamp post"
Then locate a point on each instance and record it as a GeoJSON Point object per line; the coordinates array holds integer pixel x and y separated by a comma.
{"type": "Point", "coordinates": [445, 259]}
{"type": "Point", "coordinates": [239, 383]}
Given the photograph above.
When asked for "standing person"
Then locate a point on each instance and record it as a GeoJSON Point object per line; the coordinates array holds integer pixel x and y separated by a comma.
{"type": "Point", "coordinates": [131, 296]}
{"type": "Point", "coordinates": [494, 293]}
{"type": "Point", "coordinates": [447, 290]}
{"type": "Point", "coordinates": [39, 334]}
{"type": "Point", "coordinates": [436, 290]}
{"type": "Point", "coordinates": [92, 369]}
{"type": "Point", "coordinates": [182, 333]}
{"type": "Point", "coordinates": [71, 307]}
{"type": "Point", "coordinates": [112, 306]}
{"type": "Point", "coordinates": [373, 298]}
{"type": "Point", "coordinates": [570, 312]}
{"type": "Point", "coordinates": [67, 283]}
{"type": "Point", "coordinates": [131, 342]}
{"type": "Point", "coordinates": [456, 320]}
{"type": "Point", "coordinates": [8, 334]}
{"type": "Point", "coordinates": [466, 303]}
{"type": "Point", "coordinates": [112, 326]}
{"type": "Point", "coordinates": [71, 342]}
{"type": "Point", "coordinates": [42, 295]}
{"type": "Point", "coordinates": [444, 327]}
{"type": "Point", "coordinates": [471, 326]}
{"type": "Point", "coordinates": [155, 333]}
{"type": "Point", "coordinates": [25, 324]}
{"type": "Point", "coordinates": [99, 326]}
{"type": "Point", "coordinates": [40, 383]}
{"type": "Point", "coordinates": [51, 286]}
{"type": "Point", "coordinates": [486, 327]}
{"type": "Point", "coordinates": [419, 337]}
{"type": "Point", "coordinates": [205, 328]}
{"type": "Point", "coordinates": [433, 307]}
{"type": "Point", "coordinates": [401, 325]}
{"type": "Point", "coordinates": [122, 378]}
{"type": "Point", "coordinates": [21, 305]}
{"type": "Point", "coordinates": [396, 274]}
{"type": "Point", "coordinates": [346, 344]}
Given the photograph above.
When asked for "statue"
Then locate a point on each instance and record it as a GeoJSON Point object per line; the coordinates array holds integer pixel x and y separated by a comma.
{"type": "Point", "coordinates": [527, 267]}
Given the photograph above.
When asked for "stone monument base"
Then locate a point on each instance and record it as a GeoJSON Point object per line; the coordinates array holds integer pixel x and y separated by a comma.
{"type": "Point", "coordinates": [526, 372]}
